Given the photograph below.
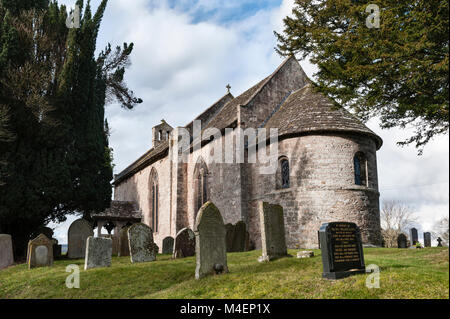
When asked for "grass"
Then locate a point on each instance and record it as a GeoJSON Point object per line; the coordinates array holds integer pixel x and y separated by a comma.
{"type": "Point", "coordinates": [405, 273]}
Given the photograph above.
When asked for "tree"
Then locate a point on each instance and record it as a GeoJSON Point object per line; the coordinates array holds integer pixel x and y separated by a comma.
{"type": "Point", "coordinates": [398, 71]}
{"type": "Point", "coordinates": [396, 218]}
{"type": "Point", "coordinates": [53, 91]}
{"type": "Point", "coordinates": [441, 230]}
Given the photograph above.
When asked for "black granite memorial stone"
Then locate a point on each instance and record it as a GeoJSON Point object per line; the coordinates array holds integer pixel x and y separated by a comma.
{"type": "Point", "coordinates": [342, 252]}
{"type": "Point", "coordinates": [402, 241]}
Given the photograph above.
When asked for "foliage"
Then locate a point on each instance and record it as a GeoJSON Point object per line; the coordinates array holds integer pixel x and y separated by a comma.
{"type": "Point", "coordinates": [441, 230]}
{"type": "Point", "coordinates": [53, 91]}
{"type": "Point", "coordinates": [396, 218]}
{"type": "Point", "coordinates": [398, 72]}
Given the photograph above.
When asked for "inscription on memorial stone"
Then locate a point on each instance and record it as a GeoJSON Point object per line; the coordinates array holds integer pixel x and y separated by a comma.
{"type": "Point", "coordinates": [342, 253]}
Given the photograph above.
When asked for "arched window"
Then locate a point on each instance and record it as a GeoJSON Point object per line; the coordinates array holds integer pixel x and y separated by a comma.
{"type": "Point", "coordinates": [154, 200]}
{"type": "Point", "coordinates": [360, 168]}
{"type": "Point", "coordinates": [283, 173]}
{"type": "Point", "coordinates": [200, 185]}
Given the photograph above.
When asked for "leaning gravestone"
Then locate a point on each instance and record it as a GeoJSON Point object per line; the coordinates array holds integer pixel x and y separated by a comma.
{"type": "Point", "coordinates": [210, 243]}
{"type": "Point", "coordinates": [184, 243]}
{"type": "Point", "coordinates": [98, 252]}
{"type": "Point", "coordinates": [124, 249]}
{"type": "Point", "coordinates": [272, 231]}
{"type": "Point", "coordinates": [78, 233]}
{"type": "Point", "coordinates": [229, 228]}
{"type": "Point", "coordinates": [6, 251]}
{"type": "Point", "coordinates": [402, 241]}
{"type": "Point", "coordinates": [141, 245]}
{"type": "Point", "coordinates": [342, 252]}
{"type": "Point", "coordinates": [414, 237]}
{"type": "Point", "coordinates": [427, 239]}
{"type": "Point", "coordinates": [237, 237]}
{"type": "Point", "coordinates": [167, 245]}
{"type": "Point", "coordinates": [40, 252]}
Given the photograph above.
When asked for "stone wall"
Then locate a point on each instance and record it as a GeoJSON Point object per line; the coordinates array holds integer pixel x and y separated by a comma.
{"type": "Point", "coordinates": [136, 188]}
{"type": "Point", "coordinates": [322, 188]}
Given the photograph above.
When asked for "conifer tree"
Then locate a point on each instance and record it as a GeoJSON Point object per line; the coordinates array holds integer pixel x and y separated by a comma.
{"type": "Point", "coordinates": [397, 71]}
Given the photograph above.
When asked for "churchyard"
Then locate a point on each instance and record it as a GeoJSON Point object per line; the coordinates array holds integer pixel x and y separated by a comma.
{"type": "Point", "coordinates": [215, 261]}
{"type": "Point", "coordinates": [404, 273]}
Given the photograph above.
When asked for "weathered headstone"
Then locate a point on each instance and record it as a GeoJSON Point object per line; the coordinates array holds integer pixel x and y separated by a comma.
{"type": "Point", "coordinates": [184, 243]}
{"type": "Point", "coordinates": [98, 252]}
{"type": "Point", "coordinates": [6, 251]}
{"type": "Point", "coordinates": [414, 237]}
{"type": "Point", "coordinates": [115, 243]}
{"type": "Point", "coordinates": [273, 239]}
{"type": "Point", "coordinates": [40, 252]}
{"type": "Point", "coordinates": [427, 239]}
{"type": "Point", "coordinates": [210, 242]}
{"type": "Point", "coordinates": [229, 228]}
{"type": "Point", "coordinates": [237, 238]}
{"type": "Point", "coordinates": [141, 245]}
{"type": "Point", "coordinates": [155, 248]}
{"type": "Point", "coordinates": [78, 233]}
{"type": "Point", "coordinates": [342, 251]}
{"type": "Point", "coordinates": [402, 241]}
{"type": "Point", "coordinates": [439, 240]}
{"type": "Point", "coordinates": [124, 249]}
{"type": "Point", "coordinates": [57, 249]}
{"type": "Point", "coordinates": [167, 245]}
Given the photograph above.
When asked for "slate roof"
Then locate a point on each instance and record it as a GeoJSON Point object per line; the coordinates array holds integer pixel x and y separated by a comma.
{"type": "Point", "coordinates": [306, 110]}
{"type": "Point", "coordinates": [228, 114]}
{"type": "Point", "coordinates": [119, 210]}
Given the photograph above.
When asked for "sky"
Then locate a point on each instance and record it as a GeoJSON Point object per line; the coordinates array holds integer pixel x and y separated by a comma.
{"type": "Point", "coordinates": [187, 51]}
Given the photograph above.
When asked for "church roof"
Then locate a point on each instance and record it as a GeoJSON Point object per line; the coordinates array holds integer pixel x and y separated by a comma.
{"type": "Point", "coordinates": [119, 210]}
{"type": "Point", "coordinates": [306, 110]}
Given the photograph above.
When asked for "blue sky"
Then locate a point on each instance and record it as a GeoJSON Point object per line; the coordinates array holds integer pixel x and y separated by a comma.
{"type": "Point", "coordinates": [187, 51]}
{"type": "Point", "coordinates": [222, 11]}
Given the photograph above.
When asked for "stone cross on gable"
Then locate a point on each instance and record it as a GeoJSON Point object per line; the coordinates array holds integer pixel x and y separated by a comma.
{"type": "Point", "coordinates": [228, 88]}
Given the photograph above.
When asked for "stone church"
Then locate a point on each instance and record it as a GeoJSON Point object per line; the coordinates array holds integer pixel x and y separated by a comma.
{"type": "Point", "coordinates": [327, 166]}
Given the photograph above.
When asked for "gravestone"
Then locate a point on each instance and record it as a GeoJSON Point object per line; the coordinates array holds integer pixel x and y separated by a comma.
{"type": "Point", "coordinates": [40, 252]}
{"type": "Point", "coordinates": [115, 243]}
{"type": "Point", "coordinates": [167, 245]}
{"type": "Point", "coordinates": [439, 240]}
{"type": "Point", "coordinates": [414, 237]}
{"type": "Point", "coordinates": [57, 249]}
{"type": "Point", "coordinates": [402, 241]}
{"type": "Point", "coordinates": [77, 235]}
{"type": "Point", "coordinates": [427, 239]}
{"type": "Point", "coordinates": [141, 245]}
{"type": "Point", "coordinates": [273, 239]}
{"type": "Point", "coordinates": [98, 252]}
{"type": "Point", "coordinates": [6, 251]}
{"type": "Point", "coordinates": [184, 243]}
{"type": "Point", "coordinates": [124, 249]}
{"type": "Point", "coordinates": [237, 238]}
{"type": "Point", "coordinates": [229, 228]}
{"type": "Point", "coordinates": [210, 242]}
{"type": "Point", "coordinates": [342, 251]}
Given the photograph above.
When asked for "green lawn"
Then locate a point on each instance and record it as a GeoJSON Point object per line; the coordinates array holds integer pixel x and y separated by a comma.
{"type": "Point", "coordinates": [405, 273]}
